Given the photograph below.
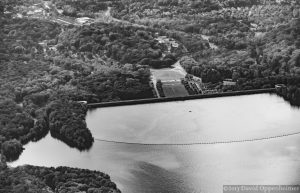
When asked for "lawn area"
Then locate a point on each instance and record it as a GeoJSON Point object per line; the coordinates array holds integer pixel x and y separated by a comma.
{"type": "Point", "coordinates": [171, 80]}
{"type": "Point", "coordinates": [167, 74]}
{"type": "Point", "coordinates": [174, 89]}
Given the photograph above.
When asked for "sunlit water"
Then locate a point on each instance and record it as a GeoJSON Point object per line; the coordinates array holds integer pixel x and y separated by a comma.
{"type": "Point", "coordinates": [180, 169]}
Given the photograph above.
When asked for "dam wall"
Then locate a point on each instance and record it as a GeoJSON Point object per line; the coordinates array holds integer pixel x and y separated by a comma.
{"type": "Point", "coordinates": [183, 98]}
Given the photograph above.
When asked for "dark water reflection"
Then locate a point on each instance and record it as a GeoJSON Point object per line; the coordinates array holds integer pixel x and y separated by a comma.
{"type": "Point", "coordinates": [200, 168]}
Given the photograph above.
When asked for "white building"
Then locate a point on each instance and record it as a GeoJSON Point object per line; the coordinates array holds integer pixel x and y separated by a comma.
{"type": "Point", "coordinates": [229, 82]}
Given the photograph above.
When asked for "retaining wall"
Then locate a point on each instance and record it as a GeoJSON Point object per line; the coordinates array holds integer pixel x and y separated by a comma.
{"type": "Point", "coordinates": [169, 99]}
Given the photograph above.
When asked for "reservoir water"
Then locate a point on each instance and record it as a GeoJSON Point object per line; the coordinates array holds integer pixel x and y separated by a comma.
{"type": "Point", "coordinates": [272, 158]}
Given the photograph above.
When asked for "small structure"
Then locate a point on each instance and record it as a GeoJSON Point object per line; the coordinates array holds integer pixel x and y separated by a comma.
{"type": "Point", "coordinates": [279, 87]}
{"type": "Point", "coordinates": [170, 42]}
{"type": "Point", "coordinates": [229, 82]}
{"type": "Point", "coordinates": [84, 20]}
{"type": "Point", "coordinates": [213, 91]}
{"type": "Point", "coordinates": [82, 102]}
{"type": "Point", "coordinates": [19, 15]}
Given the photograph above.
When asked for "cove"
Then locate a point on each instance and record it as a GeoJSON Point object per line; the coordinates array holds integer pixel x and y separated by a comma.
{"type": "Point", "coordinates": [185, 168]}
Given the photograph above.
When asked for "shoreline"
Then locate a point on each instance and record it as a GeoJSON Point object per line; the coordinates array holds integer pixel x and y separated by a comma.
{"type": "Point", "coordinates": [182, 98]}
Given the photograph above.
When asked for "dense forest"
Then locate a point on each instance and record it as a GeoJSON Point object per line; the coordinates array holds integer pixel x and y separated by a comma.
{"type": "Point", "coordinates": [33, 179]}
{"type": "Point", "coordinates": [66, 122]}
{"type": "Point", "coordinates": [249, 42]}
{"type": "Point", "coordinates": [48, 67]}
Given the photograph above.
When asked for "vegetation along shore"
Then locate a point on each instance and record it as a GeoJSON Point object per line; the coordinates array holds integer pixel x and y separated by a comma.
{"type": "Point", "coordinates": [56, 53]}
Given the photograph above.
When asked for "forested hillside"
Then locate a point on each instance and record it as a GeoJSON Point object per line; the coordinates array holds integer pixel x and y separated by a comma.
{"type": "Point", "coordinates": [43, 76]}
{"type": "Point", "coordinates": [45, 62]}
{"type": "Point", "coordinates": [34, 179]}
{"type": "Point", "coordinates": [252, 42]}
{"type": "Point", "coordinates": [49, 61]}
{"type": "Point", "coordinates": [47, 67]}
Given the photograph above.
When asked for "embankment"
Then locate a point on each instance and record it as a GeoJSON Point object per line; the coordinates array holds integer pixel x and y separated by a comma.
{"type": "Point", "coordinates": [169, 99]}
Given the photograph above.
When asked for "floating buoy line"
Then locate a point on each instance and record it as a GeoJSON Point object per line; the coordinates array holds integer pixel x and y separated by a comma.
{"type": "Point", "coordinates": [198, 143]}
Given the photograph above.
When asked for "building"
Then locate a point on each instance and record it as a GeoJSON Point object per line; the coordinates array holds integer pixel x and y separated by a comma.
{"type": "Point", "coordinates": [280, 87]}
{"type": "Point", "coordinates": [84, 20]}
{"type": "Point", "coordinates": [229, 82]}
{"type": "Point", "coordinates": [82, 102]}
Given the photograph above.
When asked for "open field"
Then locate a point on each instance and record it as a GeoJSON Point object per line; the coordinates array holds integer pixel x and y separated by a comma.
{"type": "Point", "coordinates": [174, 89]}
{"type": "Point", "coordinates": [167, 74]}
{"type": "Point", "coordinates": [171, 79]}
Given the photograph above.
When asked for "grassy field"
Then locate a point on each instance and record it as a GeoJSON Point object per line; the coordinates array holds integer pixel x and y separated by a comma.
{"type": "Point", "coordinates": [171, 80]}
{"type": "Point", "coordinates": [174, 89]}
{"type": "Point", "coordinates": [167, 74]}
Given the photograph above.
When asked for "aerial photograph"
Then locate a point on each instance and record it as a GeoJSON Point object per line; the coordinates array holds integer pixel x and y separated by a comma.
{"type": "Point", "coordinates": [149, 96]}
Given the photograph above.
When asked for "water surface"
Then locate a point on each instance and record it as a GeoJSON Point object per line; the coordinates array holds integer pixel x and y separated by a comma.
{"type": "Point", "coordinates": [196, 168]}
